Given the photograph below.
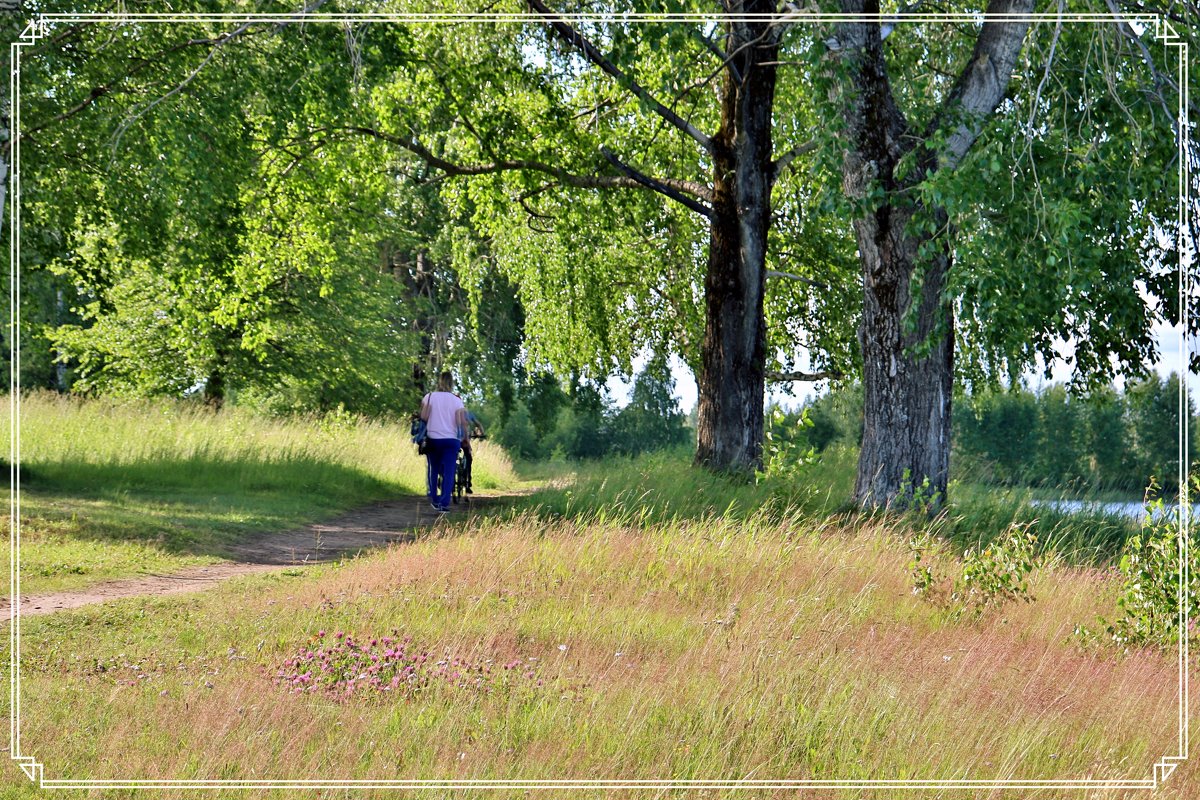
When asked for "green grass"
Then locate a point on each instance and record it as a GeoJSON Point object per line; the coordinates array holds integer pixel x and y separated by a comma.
{"type": "Point", "coordinates": [112, 489]}
{"type": "Point", "coordinates": [663, 487]}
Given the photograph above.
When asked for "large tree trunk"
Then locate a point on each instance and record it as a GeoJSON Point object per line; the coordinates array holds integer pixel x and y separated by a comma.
{"type": "Point", "coordinates": [908, 341]}
{"type": "Point", "coordinates": [733, 354]}
{"type": "Point", "coordinates": [908, 368]}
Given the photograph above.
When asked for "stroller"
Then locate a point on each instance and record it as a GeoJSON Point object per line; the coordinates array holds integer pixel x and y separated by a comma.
{"type": "Point", "coordinates": [462, 472]}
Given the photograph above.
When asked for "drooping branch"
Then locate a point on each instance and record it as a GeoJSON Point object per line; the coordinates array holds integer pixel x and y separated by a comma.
{"type": "Point", "coordinates": [677, 190]}
{"type": "Point", "coordinates": [589, 51]}
{"type": "Point", "coordinates": [110, 86]}
{"type": "Point", "coordinates": [1160, 78]}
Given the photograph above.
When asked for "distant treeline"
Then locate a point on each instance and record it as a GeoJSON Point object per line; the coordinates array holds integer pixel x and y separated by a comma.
{"type": "Point", "coordinates": [1108, 441]}
{"type": "Point", "coordinates": [541, 419]}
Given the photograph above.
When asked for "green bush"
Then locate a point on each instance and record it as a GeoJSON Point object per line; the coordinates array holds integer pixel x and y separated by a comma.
{"type": "Point", "coordinates": [1151, 570]}
{"type": "Point", "coordinates": [992, 575]}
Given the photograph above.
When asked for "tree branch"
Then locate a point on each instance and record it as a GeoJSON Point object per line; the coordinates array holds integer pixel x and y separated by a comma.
{"type": "Point", "coordinates": [791, 276]}
{"type": "Point", "coordinates": [581, 43]}
{"type": "Point", "coordinates": [1159, 77]}
{"type": "Point", "coordinates": [982, 83]}
{"type": "Point", "coordinates": [674, 189]}
{"type": "Point", "coordinates": [662, 187]}
{"type": "Point", "coordinates": [712, 47]}
{"type": "Point", "coordinates": [785, 160]}
{"type": "Point", "coordinates": [782, 377]}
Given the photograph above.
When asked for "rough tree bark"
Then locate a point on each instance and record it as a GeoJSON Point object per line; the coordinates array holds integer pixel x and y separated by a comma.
{"type": "Point", "coordinates": [733, 352]}
{"type": "Point", "coordinates": [907, 339]}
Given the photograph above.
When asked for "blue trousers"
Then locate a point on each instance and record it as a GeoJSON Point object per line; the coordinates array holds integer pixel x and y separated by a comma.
{"type": "Point", "coordinates": [442, 456]}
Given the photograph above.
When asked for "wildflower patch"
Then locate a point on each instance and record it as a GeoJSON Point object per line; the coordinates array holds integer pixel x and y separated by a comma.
{"type": "Point", "coordinates": [343, 667]}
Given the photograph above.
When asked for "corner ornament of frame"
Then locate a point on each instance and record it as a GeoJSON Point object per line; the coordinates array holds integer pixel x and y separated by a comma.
{"type": "Point", "coordinates": [31, 767]}
{"type": "Point", "coordinates": [35, 30]}
{"type": "Point", "coordinates": [1164, 768]}
{"type": "Point", "coordinates": [1165, 31]}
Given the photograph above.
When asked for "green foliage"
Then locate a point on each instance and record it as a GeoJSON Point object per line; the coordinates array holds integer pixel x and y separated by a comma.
{"type": "Point", "coordinates": [921, 499]}
{"type": "Point", "coordinates": [998, 573]}
{"type": "Point", "coordinates": [999, 429]}
{"type": "Point", "coordinates": [1062, 222]}
{"type": "Point", "coordinates": [991, 575]}
{"type": "Point", "coordinates": [1152, 570]}
{"type": "Point", "coordinates": [787, 453]}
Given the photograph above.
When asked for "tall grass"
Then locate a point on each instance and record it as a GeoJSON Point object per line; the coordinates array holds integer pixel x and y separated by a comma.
{"type": "Point", "coordinates": [766, 648]}
{"type": "Point", "coordinates": [172, 444]}
{"type": "Point", "coordinates": [978, 514]}
{"type": "Point", "coordinates": [664, 486]}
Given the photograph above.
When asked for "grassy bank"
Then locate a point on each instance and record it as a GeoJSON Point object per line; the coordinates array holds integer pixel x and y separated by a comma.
{"type": "Point", "coordinates": [112, 489]}
{"type": "Point", "coordinates": [664, 487]}
{"type": "Point", "coordinates": [709, 648]}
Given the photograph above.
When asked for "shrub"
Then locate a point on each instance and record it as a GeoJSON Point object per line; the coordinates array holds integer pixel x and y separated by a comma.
{"type": "Point", "coordinates": [1150, 569]}
{"type": "Point", "coordinates": [996, 574]}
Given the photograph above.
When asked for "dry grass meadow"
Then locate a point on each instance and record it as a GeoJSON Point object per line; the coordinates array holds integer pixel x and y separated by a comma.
{"type": "Point", "coordinates": [710, 649]}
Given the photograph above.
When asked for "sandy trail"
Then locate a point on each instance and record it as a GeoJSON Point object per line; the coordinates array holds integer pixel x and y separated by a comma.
{"type": "Point", "coordinates": [364, 528]}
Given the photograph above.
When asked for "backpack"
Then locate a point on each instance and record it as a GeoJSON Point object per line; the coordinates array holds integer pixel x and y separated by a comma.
{"type": "Point", "coordinates": [418, 430]}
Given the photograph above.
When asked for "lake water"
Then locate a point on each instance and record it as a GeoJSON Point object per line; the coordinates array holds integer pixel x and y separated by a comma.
{"type": "Point", "coordinates": [1129, 510]}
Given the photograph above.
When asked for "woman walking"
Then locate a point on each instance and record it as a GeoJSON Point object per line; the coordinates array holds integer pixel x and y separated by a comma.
{"type": "Point", "coordinates": [446, 426]}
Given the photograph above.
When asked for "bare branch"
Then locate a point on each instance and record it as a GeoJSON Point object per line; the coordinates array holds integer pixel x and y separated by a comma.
{"type": "Point", "coordinates": [711, 46]}
{"type": "Point", "coordinates": [1037, 97]}
{"type": "Point", "coordinates": [783, 377]}
{"type": "Point", "coordinates": [581, 43]}
{"type": "Point", "coordinates": [791, 276]}
{"type": "Point", "coordinates": [785, 160]}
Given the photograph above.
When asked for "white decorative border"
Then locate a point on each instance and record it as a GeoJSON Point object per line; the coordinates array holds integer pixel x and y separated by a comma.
{"type": "Point", "coordinates": [34, 770]}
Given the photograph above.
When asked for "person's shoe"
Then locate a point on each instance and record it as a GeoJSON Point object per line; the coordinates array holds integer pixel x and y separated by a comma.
{"type": "Point", "coordinates": [443, 510]}
{"type": "Point", "coordinates": [435, 506]}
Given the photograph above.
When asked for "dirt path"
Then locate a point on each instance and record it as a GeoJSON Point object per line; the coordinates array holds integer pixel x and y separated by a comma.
{"type": "Point", "coordinates": [361, 529]}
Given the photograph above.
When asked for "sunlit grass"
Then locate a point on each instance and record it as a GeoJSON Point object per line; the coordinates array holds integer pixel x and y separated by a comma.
{"type": "Point", "coordinates": [664, 486]}
{"type": "Point", "coordinates": [112, 488]}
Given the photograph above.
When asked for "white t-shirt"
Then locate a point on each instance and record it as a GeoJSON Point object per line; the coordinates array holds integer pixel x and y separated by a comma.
{"type": "Point", "coordinates": [442, 410]}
